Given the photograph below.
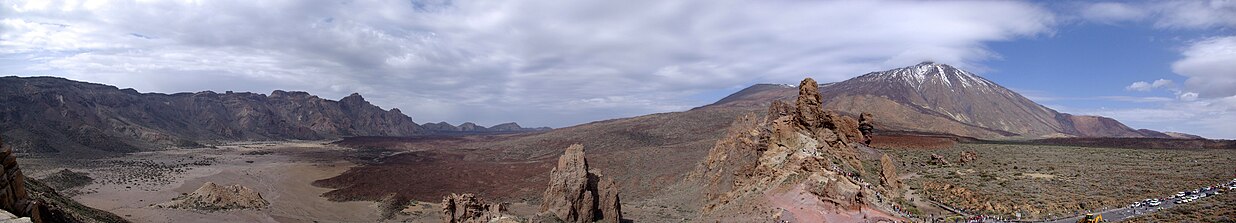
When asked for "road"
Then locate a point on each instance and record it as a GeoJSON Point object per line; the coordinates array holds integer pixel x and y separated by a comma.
{"type": "Point", "coordinates": [1121, 214]}
{"type": "Point", "coordinates": [1117, 214]}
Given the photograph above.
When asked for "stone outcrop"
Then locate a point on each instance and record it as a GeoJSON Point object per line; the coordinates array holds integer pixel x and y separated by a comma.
{"type": "Point", "coordinates": [577, 195]}
{"type": "Point", "coordinates": [211, 196]}
{"type": "Point", "coordinates": [13, 196]}
{"type": "Point", "coordinates": [866, 126]}
{"type": "Point", "coordinates": [936, 159]}
{"type": "Point", "coordinates": [467, 208]}
{"type": "Point", "coordinates": [810, 112]}
{"type": "Point", "coordinates": [796, 163]}
{"type": "Point", "coordinates": [28, 200]}
{"type": "Point", "coordinates": [967, 156]}
{"type": "Point", "coordinates": [888, 174]}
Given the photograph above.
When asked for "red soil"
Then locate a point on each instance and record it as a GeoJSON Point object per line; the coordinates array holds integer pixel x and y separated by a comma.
{"type": "Point", "coordinates": [431, 175]}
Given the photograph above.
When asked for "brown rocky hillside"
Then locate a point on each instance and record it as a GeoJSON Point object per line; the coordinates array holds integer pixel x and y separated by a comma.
{"type": "Point", "coordinates": [46, 114]}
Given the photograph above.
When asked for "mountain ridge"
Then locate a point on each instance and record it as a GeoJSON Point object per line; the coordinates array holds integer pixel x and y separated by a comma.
{"type": "Point", "coordinates": [53, 114]}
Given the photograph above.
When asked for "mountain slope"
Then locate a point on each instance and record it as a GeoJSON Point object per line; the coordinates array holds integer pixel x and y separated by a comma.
{"type": "Point", "coordinates": [46, 114]}
{"type": "Point", "coordinates": [938, 98]}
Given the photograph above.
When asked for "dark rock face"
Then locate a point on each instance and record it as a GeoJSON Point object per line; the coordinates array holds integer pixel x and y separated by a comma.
{"type": "Point", "coordinates": [13, 197]}
{"type": "Point", "coordinates": [31, 198]}
{"type": "Point", "coordinates": [44, 114]}
{"type": "Point", "coordinates": [866, 126]}
{"type": "Point", "coordinates": [577, 195]}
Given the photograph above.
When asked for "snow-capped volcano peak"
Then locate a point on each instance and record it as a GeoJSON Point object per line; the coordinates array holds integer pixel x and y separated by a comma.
{"type": "Point", "coordinates": [930, 73]}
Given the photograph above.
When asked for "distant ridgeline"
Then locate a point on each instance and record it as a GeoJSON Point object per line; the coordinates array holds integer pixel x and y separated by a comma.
{"type": "Point", "coordinates": [48, 114]}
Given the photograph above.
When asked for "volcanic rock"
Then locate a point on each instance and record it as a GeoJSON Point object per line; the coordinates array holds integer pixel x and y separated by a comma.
{"type": "Point", "coordinates": [609, 204]}
{"type": "Point", "coordinates": [866, 126]}
{"type": "Point", "coordinates": [33, 201]}
{"type": "Point", "coordinates": [810, 113]}
{"type": "Point", "coordinates": [467, 208]}
{"type": "Point", "coordinates": [967, 156]}
{"type": "Point", "coordinates": [211, 196]}
{"type": "Point", "coordinates": [13, 197]}
{"type": "Point", "coordinates": [936, 159]}
{"type": "Point", "coordinates": [577, 195]}
{"type": "Point", "coordinates": [798, 162]}
{"type": "Point", "coordinates": [888, 174]}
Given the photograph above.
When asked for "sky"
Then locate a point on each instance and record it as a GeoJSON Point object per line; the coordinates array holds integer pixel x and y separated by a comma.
{"type": "Point", "coordinates": [1163, 65]}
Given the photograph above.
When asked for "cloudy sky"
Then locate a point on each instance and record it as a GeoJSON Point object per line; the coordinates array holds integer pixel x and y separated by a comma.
{"type": "Point", "coordinates": [1160, 65]}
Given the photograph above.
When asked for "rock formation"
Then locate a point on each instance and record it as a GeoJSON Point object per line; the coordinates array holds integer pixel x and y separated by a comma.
{"type": "Point", "coordinates": [866, 126]}
{"type": "Point", "coordinates": [32, 201]}
{"type": "Point", "coordinates": [967, 156]}
{"type": "Point", "coordinates": [799, 163]}
{"type": "Point", "coordinates": [211, 196]}
{"type": "Point", "coordinates": [577, 195]}
{"type": "Point", "coordinates": [888, 174]}
{"type": "Point", "coordinates": [13, 197]}
{"type": "Point", "coordinates": [936, 159]}
{"type": "Point", "coordinates": [467, 208]}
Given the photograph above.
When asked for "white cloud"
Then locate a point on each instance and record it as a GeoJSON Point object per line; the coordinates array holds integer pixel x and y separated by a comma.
{"type": "Point", "coordinates": [1203, 14]}
{"type": "Point", "coordinates": [1197, 14]}
{"type": "Point", "coordinates": [1210, 65]}
{"type": "Point", "coordinates": [1210, 118]}
{"type": "Point", "coordinates": [1147, 86]}
{"type": "Point", "coordinates": [539, 62]}
{"type": "Point", "coordinates": [1112, 12]}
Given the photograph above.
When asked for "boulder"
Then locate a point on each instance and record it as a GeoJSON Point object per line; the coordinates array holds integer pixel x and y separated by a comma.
{"type": "Point", "coordinates": [936, 159]}
{"type": "Point", "coordinates": [467, 208]}
{"type": "Point", "coordinates": [967, 156]}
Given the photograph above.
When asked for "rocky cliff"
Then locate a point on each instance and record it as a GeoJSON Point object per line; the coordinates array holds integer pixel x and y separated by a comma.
{"type": "Point", "coordinates": [800, 163]}
{"type": "Point", "coordinates": [36, 201]}
{"type": "Point", "coordinates": [46, 114]}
